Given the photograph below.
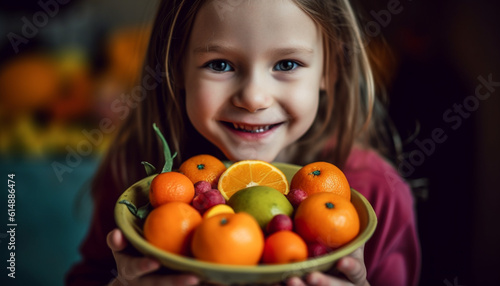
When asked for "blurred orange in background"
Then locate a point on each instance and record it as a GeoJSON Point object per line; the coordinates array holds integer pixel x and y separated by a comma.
{"type": "Point", "coordinates": [27, 83]}
{"type": "Point", "coordinates": [48, 97]}
{"type": "Point", "coordinates": [41, 96]}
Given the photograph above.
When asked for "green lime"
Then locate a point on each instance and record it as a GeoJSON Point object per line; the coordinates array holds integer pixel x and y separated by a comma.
{"type": "Point", "coordinates": [261, 202]}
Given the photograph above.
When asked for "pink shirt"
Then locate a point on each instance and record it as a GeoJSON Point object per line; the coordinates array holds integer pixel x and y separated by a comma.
{"type": "Point", "coordinates": [392, 256]}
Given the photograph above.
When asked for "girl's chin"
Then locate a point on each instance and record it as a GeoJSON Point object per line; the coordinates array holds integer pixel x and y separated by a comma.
{"type": "Point", "coordinates": [239, 155]}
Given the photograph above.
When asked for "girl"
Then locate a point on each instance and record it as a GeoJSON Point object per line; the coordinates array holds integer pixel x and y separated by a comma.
{"type": "Point", "coordinates": [279, 80]}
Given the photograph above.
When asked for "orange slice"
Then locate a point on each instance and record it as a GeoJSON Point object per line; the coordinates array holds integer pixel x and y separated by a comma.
{"type": "Point", "coordinates": [248, 173]}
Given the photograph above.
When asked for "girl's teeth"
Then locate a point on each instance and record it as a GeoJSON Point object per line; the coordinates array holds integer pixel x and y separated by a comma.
{"type": "Point", "coordinates": [251, 129]}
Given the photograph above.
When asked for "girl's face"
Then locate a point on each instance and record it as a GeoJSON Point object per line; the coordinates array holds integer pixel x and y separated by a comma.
{"type": "Point", "coordinates": [252, 75]}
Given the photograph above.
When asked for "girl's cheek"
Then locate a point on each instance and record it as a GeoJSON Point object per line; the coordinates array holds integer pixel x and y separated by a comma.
{"type": "Point", "coordinates": [213, 81]}
{"type": "Point", "coordinates": [304, 97]}
{"type": "Point", "coordinates": [204, 101]}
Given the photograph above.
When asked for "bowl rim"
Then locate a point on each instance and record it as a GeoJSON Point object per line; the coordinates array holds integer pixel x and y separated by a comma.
{"type": "Point", "coordinates": [139, 242]}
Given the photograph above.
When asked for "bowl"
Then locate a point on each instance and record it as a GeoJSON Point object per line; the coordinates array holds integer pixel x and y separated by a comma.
{"type": "Point", "coordinates": [208, 272]}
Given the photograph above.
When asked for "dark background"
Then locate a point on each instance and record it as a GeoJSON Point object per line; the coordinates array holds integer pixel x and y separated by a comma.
{"type": "Point", "coordinates": [91, 51]}
{"type": "Point", "coordinates": [440, 49]}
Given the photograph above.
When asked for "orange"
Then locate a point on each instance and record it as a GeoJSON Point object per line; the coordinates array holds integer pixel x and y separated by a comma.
{"type": "Point", "coordinates": [284, 247]}
{"type": "Point", "coordinates": [170, 187]}
{"type": "Point", "coordinates": [228, 239]}
{"type": "Point", "coordinates": [248, 173]}
{"type": "Point", "coordinates": [170, 227]}
{"type": "Point", "coordinates": [321, 177]}
{"type": "Point", "coordinates": [326, 218]}
{"type": "Point", "coordinates": [203, 168]}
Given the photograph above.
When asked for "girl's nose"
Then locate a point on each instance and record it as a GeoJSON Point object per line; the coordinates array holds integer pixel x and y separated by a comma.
{"type": "Point", "coordinates": [253, 95]}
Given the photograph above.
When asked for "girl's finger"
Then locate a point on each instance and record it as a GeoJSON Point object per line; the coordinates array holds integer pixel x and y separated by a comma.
{"type": "Point", "coordinates": [133, 267]}
{"type": "Point", "coordinates": [172, 280]}
{"type": "Point", "coordinates": [295, 281]}
{"type": "Point", "coordinates": [320, 279]}
{"type": "Point", "coordinates": [352, 269]}
{"type": "Point", "coordinates": [358, 253]}
{"type": "Point", "coordinates": [129, 267]}
{"type": "Point", "coordinates": [116, 241]}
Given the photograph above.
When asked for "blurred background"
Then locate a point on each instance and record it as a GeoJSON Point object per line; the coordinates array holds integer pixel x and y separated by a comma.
{"type": "Point", "coordinates": [65, 68]}
{"type": "Point", "coordinates": [62, 65]}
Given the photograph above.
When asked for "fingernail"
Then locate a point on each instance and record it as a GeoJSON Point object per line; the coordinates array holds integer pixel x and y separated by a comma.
{"type": "Point", "coordinates": [313, 279]}
{"type": "Point", "coordinates": [294, 281]}
{"type": "Point", "coordinates": [192, 280]}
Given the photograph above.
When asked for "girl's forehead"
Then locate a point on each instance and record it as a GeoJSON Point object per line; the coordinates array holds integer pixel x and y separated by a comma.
{"type": "Point", "coordinates": [254, 23]}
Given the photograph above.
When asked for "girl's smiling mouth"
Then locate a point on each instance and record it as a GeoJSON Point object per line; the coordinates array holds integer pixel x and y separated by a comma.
{"type": "Point", "coordinates": [248, 128]}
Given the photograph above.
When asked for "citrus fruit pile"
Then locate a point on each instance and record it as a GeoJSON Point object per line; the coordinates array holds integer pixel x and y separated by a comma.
{"type": "Point", "coordinates": [248, 213]}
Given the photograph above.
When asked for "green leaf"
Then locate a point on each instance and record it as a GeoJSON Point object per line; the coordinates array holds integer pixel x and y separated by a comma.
{"type": "Point", "coordinates": [169, 159]}
{"type": "Point", "coordinates": [143, 211]}
{"type": "Point", "coordinates": [131, 207]}
{"type": "Point", "coordinates": [150, 169]}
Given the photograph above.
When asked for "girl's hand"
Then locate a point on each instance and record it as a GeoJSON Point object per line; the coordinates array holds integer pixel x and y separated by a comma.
{"type": "Point", "coordinates": [352, 266]}
{"type": "Point", "coordinates": [134, 270]}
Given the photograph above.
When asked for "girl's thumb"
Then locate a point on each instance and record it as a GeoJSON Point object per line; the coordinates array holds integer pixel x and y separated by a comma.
{"type": "Point", "coordinates": [116, 241]}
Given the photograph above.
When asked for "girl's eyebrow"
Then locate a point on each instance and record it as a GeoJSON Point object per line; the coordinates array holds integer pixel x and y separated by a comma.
{"type": "Point", "coordinates": [209, 48]}
{"type": "Point", "coordinates": [292, 50]}
{"type": "Point", "coordinates": [275, 51]}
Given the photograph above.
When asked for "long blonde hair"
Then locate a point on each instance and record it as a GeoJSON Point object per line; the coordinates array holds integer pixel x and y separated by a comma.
{"type": "Point", "coordinates": [347, 104]}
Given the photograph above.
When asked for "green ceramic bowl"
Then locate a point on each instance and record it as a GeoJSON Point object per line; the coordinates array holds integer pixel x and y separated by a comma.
{"type": "Point", "coordinates": [230, 274]}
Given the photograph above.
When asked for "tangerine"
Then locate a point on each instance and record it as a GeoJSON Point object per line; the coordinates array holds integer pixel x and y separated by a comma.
{"type": "Point", "coordinates": [170, 227]}
{"type": "Point", "coordinates": [249, 173]}
{"type": "Point", "coordinates": [284, 246]}
{"type": "Point", "coordinates": [321, 177]}
{"type": "Point", "coordinates": [203, 168]}
{"type": "Point", "coordinates": [170, 187]}
{"type": "Point", "coordinates": [228, 239]}
{"type": "Point", "coordinates": [327, 218]}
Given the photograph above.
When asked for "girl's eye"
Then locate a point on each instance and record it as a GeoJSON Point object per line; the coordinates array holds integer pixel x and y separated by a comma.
{"type": "Point", "coordinates": [219, 66]}
{"type": "Point", "coordinates": [286, 65]}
